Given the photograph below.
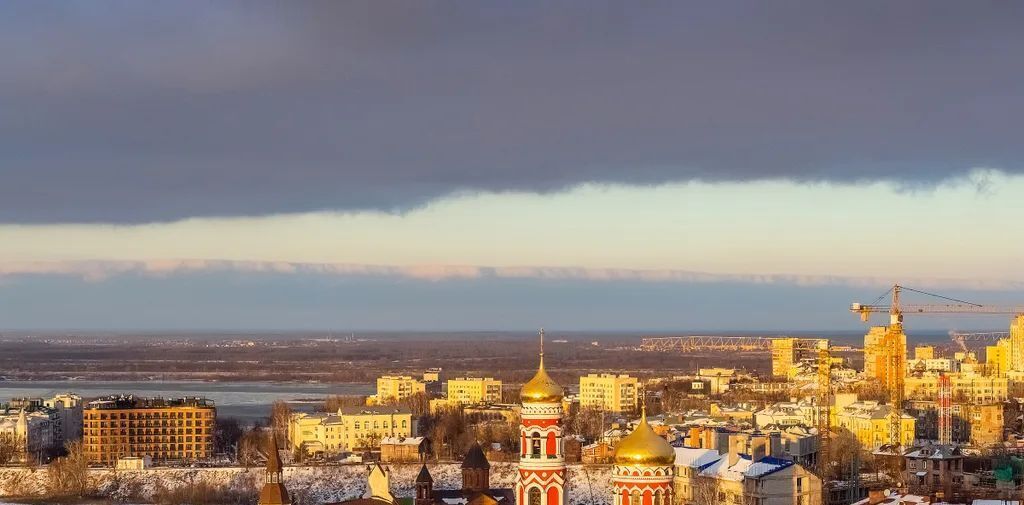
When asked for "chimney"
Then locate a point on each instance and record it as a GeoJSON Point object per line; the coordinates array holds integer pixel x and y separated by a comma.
{"type": "Point", "coordinates": [721, 441]}
{"type": "Point", "coordinates": [737, 443]}
{"type": "Point", "coordinates": [876, 496]}
{"type": "Point", "coordinates": [775, 449]}
{"type": "Point", "coordinates": [758, 446]}
{"type": "Point", "coordinates": [708, 436]}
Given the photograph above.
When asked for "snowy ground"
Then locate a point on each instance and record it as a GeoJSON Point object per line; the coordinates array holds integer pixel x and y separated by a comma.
{"type": "Point", "coordinates": [308, 485]}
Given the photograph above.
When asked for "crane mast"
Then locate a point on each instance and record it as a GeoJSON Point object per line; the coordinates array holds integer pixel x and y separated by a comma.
{"type": "Point", "coordinates": [894, 344]}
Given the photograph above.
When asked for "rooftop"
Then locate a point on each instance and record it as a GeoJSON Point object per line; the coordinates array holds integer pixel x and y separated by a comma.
{"type": "Point", "coordinates": [134, 402]}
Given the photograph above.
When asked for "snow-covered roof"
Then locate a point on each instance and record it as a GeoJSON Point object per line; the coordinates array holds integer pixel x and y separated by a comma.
{"type": "Point", "coordinates": [695, 458]}
{"type": "Point", "coordinates": [401, 440]}
{"type": "Point", "coordinates": [744, 467]}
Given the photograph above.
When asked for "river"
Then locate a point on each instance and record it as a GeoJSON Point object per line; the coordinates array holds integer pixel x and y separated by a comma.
{"type": "Point", "coordinates": [245, 401]}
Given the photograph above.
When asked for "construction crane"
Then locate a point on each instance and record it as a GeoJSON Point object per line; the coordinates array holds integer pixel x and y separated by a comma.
{"type": "Point", "coordinates": [893, 341]}
{"type": "Point", "coordinates": [824, 403]}
{"type": "Point", "coordinates": [692, 343]}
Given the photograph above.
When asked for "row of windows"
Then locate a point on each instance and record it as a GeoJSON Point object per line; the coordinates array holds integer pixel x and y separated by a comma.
{"type": "Point", "coordinates": [150, 422]}
{"type": "Point", "coordinates": [169, 438]}
{"type": "Point", "coordinates": [149, 415]}
{"type": "Point", "coordinates": [143, 448]}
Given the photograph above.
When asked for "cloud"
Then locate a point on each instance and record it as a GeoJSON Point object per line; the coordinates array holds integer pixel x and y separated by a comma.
{"type": "Point", "coordinates": [121, 112]}
{"type": "Point", "coordinates": [96, 271]}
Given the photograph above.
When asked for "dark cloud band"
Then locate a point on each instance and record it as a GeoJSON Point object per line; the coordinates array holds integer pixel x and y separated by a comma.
{"type": "Point", "coordinates": [111, 112]}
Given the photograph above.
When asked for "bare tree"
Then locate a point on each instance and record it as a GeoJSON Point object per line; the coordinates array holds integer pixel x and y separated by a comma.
{"type": "Point", "coordinates": [842, 460]}
{"type": "Point", "coordinates": [335, 402]}
{"type": "Point", "coordinates": [250, 447]}
{"type": "Point", "coordinates": [226, 435]}
{"type": "Point", "coordinates": [280, 415]}
{"type": "Point", "coordinates": [69, 475]}
{"type": "Point", "coordinates": [706, 491]}
{"type": "Point", "coordinates": [10, 448]}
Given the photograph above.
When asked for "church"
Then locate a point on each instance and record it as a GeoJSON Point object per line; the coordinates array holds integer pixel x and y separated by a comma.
{"type": "Point", "coordinates": [642, 474]}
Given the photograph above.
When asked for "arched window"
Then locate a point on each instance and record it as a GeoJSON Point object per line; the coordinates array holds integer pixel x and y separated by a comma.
{"type": "Point", "coordinates": [535, 443]}
{"type": "Point", "coordinates": [534, 496]}
{"type": "Point", "coordinates": [658, 498]}
{"type": "Point", "coordinates": [634, 499]}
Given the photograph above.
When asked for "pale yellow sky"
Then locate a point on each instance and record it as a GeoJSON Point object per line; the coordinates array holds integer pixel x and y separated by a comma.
{"type": "Point", "coordinates": [953, 231]}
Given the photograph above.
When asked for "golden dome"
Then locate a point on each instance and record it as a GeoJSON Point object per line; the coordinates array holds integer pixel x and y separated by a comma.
{"type": "Point", "coordinates": [541, 388]}
{"type": "Point", "coordinates": [644, 447]}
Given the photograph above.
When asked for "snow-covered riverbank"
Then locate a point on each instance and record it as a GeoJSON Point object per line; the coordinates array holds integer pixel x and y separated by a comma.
{"type": "Point", "coordinates": [308, 485]}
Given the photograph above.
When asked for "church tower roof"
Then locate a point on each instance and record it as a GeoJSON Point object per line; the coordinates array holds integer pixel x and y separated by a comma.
{"type": "Point", "coordinates": [541, 388]}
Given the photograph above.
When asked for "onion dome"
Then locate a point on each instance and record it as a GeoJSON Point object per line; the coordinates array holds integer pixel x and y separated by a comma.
{"type": "Point", "coordinates": [644, 447]}
{"type": "Point", "coordinates": [541, 388]}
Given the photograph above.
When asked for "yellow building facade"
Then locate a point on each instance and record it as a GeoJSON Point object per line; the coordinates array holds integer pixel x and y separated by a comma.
{"type": "Point", "coordinates": [347, 429]}
{"type": "Point", "coordinates": [870, 423]}
{"type": "Point", "coordinates": [1017, 344]}
{"type": "Point", "coordinates": [609, 392]}
{"type": "Point", "coordinates": [966, 388]}
{"type": "Point", "coordinates": [472, 390]}
{"type": "Point", "coordinates": [998, 358]}
{"type": "Point", "coordinates": [392, 388]}
{"type": "Point", "coordinates": [784, 356]}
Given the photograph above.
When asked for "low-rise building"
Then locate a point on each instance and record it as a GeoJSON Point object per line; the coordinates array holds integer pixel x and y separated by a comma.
{"type": "Point", "coordinates": [932, 468]}
{"type": "Point", "coordinates": [473, 390]}
{"type": "Point", "coordinates": [163, 429]}
{"type": "Point", "coordinates": [402, 449]}
{"type": "Point", "coordinates": [783, 414]}
{"type": "Point", "coordinates": [609, 392]}
{"type": "Point", "coordinates": [719, 378]}
{"type": "Point", "coordinates": [348, 429]}
{"type": "Point", "coordinates": [504, 412]}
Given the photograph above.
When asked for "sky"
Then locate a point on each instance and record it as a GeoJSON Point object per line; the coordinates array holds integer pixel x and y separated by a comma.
{"type": "Point", "coordinates": [664, 166]}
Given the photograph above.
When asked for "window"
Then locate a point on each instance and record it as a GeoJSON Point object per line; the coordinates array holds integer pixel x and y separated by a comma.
{"type": "Point", "coordinates": [535, 445]}
{"type": "Point", "coordinates": [634, 499]}
{"type": "Point", "coordinates": [534, 496]}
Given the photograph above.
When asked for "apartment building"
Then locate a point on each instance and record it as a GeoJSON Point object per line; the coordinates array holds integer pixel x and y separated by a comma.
{"type": "Point", "coordinates": [876, 354]}
{"type": "Point", "coordinates": [609, 392]}
{"type": "Point", "coordinates": [163, 429]}
{"type": "Point", "coordinates": [967, 387]}
{"type": "Point", "coordinates": [348, 429]}
{"type": "Point", "coordinates": [998, 358]}
{"type": "Point", "coordinates": [392, 388]}
{"type": "Point", "coordinates": [869, 422]}
{"type": "Point", "coordinates": [743, 471]}
{"type": "Point", "coordinates": [473, 390]}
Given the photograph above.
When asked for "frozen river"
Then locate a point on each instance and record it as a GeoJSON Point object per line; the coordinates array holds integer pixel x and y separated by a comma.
{"type": "Point", "coordinates": [246, 401]}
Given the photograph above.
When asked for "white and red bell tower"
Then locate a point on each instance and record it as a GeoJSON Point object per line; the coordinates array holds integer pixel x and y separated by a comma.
{"type": "Point", "coordinates": [541, 477]}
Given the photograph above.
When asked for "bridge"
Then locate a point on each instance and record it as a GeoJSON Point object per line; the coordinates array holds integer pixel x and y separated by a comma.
{"type": "Point", "coordinates": [692, 343]}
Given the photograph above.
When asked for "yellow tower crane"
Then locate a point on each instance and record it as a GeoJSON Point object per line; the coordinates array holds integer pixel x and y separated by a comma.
{"type": "Point", "coordinates": [895, 347]}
